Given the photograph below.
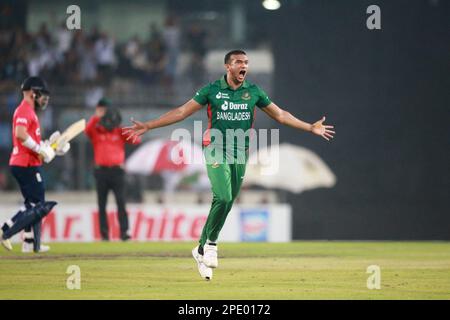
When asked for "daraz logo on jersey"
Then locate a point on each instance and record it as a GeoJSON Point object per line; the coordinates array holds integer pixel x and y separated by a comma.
{"type": "Point", "coordinates": [221, 95]}
{"type": "Point", "coordinates": [233, 106]}
{"type": "Point", "coordinates": [224, 105]}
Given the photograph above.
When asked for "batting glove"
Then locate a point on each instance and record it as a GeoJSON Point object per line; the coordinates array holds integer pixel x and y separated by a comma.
{"type": "Point", "coordinates": [62, 147]}
{"type": "Point", "coordinates": [46, 151]}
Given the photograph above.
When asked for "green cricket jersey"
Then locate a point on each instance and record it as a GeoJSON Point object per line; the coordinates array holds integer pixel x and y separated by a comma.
{"type": "Point", "coordinates": [230, 109]}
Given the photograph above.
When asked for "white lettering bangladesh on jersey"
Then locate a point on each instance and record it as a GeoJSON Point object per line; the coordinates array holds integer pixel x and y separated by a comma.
{"type": "Point", "coordinates": [233, 116]}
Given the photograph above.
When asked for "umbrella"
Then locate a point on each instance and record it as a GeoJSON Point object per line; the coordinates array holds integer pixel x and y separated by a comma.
{"type": "Point", "coordinates": [173, 160]}
{"type": "Point", "coordinates": [164, 155]}
{"type": "Point", "coordinates": [290, 168]}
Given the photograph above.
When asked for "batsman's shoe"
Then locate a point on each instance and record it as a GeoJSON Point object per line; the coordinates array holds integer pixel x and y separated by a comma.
{"type": "Point", "coordinates": [28, 248]}
{"type": "Point", "coordinates": [205, 272]}
{"type": "Point", "coordinates": [44, 248]}
{"type": "Point", "coordinates": [210, 256]}
{"type": "Point", "coordinates": [5, 243]}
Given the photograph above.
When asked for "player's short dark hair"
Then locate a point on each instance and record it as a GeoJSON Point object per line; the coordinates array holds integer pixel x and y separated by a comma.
{"type": "Point", "coordinates": [232, 52]}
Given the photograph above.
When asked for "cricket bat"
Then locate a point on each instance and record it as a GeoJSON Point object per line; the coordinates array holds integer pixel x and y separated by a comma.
{"type": "Point", "coordinates": [71, 132]}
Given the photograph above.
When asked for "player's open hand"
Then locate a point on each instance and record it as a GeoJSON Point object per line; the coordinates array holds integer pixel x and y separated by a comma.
{"type": "Point", "coordinates": [136, 130]}
{"type": "Point", "coordinates": [322, 130]}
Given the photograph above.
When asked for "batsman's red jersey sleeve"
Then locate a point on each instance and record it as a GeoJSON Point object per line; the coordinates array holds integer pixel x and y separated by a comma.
{"type": "Point", "coordinates": [22, 156]}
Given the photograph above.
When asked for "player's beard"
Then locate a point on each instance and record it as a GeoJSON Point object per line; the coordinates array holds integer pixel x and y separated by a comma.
{"type": "Point", "coordinates": [41, 102]}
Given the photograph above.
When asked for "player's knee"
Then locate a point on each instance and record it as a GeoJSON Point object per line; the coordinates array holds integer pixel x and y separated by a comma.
{"type": "Point", "coordinates": [225, 199]}
{"type": "Point", "coordinates": [43, 208]}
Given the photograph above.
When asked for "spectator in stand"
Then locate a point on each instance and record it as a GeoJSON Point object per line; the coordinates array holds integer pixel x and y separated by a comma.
{"type": "Point", "coordinates": [88, 64]}
{"type": "Point", "coordinates": [77, 57]}
{"type": "Point", "coordinates": [105, 55]}
{"type": "Point", "coordinates": [43, 39]}
{"type": "Point", "coordinates": [156, 59]}
{"type": "Point", "coordinates": [171, 41]}
{"type": "Point", "coordinates": [155, 33]}
{"type": "Point", "coordinates": [196, 37]}
{"type": "Point", "coordinates": [63, 38]}
{"type": "Point", "coordinates": [13, 47]}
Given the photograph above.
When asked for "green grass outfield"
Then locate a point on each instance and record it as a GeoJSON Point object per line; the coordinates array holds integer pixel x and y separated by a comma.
{"type": "Point", "coordinates": [298, 270]}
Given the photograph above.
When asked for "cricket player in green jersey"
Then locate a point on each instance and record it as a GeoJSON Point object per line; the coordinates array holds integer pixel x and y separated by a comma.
{"type": "Point", "coordinates": [231, 104]}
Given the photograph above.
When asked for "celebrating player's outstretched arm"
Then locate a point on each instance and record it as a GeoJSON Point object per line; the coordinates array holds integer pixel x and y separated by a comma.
{"type": "Point", "coordinates": [285, 117]}
{"type": "Point", "coordinates": [173, 116]}
{"type": "Point", "coordinates": [282, 116]}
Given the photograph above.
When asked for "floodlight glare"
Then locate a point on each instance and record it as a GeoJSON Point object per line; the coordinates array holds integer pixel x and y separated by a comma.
{"type": "Point", "coordinates": [271, 4]}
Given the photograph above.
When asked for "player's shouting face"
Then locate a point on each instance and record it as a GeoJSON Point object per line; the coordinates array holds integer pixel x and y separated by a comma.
{"type": "Point", "coordinates": [237, 68]}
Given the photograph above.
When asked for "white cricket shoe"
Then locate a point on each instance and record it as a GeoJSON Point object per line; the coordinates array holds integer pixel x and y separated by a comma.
{"type": "Point", "coordinates": [44, 248]}
{"type": "Point", "coordinates": [5, 243]}
{"type": "Point", "coordinates": [28, 248]}
{"type": "Point", "coordinates": [210, 256]}
{"type": "Point", "coordinates": [205, 272]}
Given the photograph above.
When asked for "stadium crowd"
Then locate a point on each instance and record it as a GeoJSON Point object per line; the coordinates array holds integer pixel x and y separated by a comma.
{"type": "Point", "coordinates": [79, 57]}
